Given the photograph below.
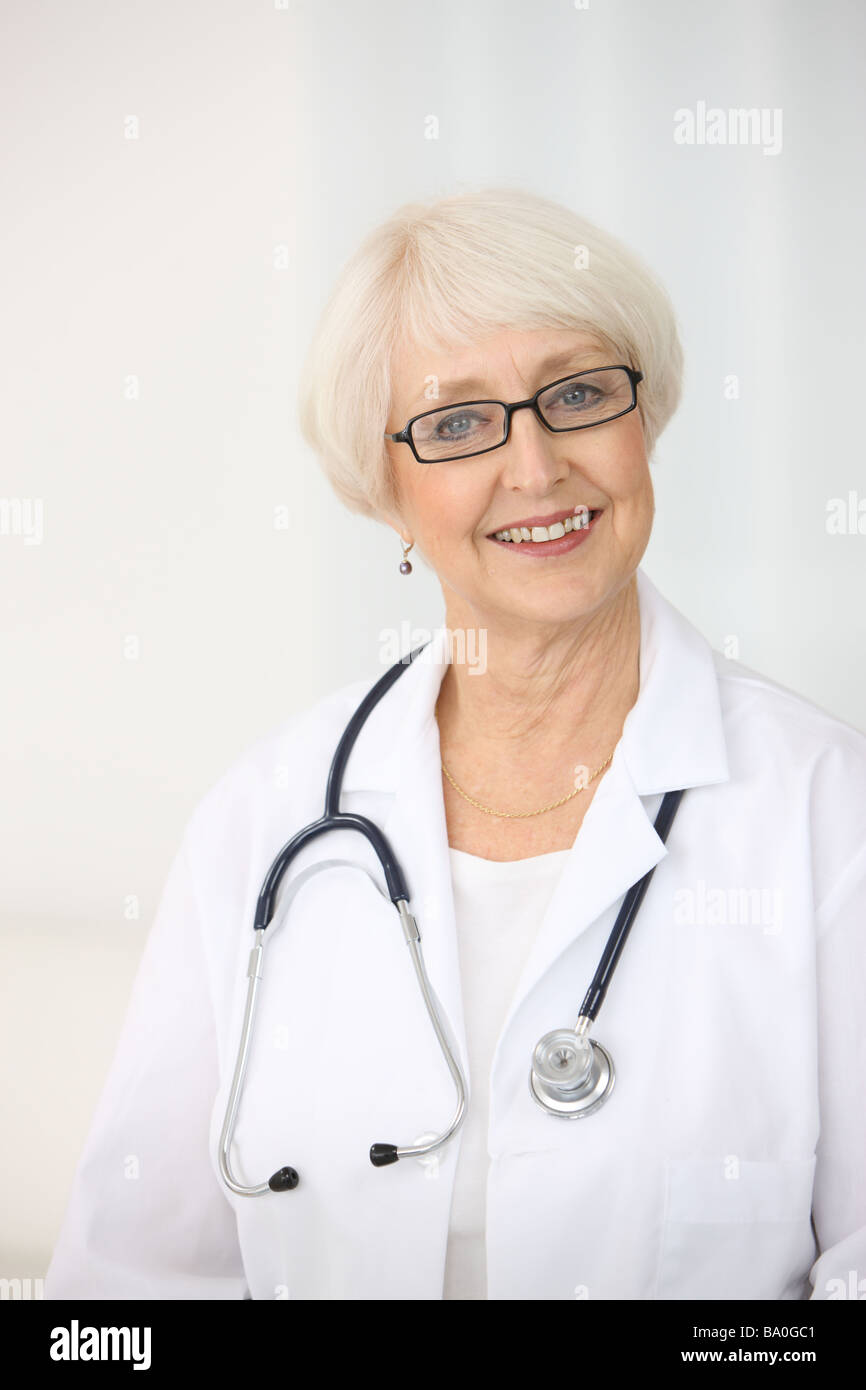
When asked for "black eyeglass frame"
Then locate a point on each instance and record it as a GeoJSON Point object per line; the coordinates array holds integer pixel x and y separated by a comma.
{"type": "Point", "coordinates": [405, 435]}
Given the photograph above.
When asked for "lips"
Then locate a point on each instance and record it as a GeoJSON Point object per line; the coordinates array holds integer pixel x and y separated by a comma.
{"type": "Point", "coordinates": [531, 521]}
{"type": "Point", "coordinates": [539, 543]}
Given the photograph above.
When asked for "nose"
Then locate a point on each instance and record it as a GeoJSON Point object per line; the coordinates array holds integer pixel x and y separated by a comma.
{"type": "Point", "coordinates": [533, 458]}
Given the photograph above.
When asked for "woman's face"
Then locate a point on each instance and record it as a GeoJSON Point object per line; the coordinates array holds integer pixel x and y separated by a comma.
{"type": "Point", "coordinates": [452, 508]}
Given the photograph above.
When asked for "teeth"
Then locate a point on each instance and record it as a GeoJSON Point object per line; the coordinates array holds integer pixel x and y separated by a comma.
{"type": "Point", "coordinates": [518, 534]}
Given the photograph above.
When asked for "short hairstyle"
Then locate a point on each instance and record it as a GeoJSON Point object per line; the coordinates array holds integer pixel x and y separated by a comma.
{"type": "Point", "coordinates": [455, 269]}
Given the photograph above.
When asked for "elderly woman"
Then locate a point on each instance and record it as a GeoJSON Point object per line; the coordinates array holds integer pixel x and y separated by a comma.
{"type": "Point", "coordinates": [565, 790]}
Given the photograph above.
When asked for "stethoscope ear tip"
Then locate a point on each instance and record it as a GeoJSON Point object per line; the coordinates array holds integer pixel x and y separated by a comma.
{"type": "Point", "coordinates": [383, 1154]}
{"type": "Point", "coordinates": [284, 1180]}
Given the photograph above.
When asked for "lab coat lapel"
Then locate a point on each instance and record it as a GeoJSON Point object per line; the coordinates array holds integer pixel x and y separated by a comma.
{"type": "Point", "coordinates": [615, 847]}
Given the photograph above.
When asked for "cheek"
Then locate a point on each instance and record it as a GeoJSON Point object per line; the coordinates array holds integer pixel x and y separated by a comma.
{"type": "Point", "coordinates": [624, 472]}
{"type": "Point", "coordinates": [444, 507]}
{"type": "Point", "coordinates": [634, 500]}
{"type": "Point", "coordinates": [640, 488]}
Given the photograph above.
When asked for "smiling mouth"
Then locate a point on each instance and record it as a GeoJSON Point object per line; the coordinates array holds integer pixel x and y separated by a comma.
{"type": "Point", "coordinates": [537, 535]}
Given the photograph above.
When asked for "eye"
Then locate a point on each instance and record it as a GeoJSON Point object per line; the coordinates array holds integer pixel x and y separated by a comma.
{"type": "Point", "coordinates": [458, 425]}
{"type": "Point", "coordinates": [454, 424]}
{"type": "Point", "coordinates": [578, 394]}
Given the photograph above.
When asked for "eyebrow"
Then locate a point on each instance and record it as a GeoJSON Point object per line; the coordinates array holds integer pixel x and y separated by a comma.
{"type": "Point", "coordinates": [457, 388]}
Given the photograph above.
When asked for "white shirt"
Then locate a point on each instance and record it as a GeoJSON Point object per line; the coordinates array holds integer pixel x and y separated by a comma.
{"type": "Point", "coordinates": [498, 907]}
{"type": "Point", "coordinates": [730, 1160]}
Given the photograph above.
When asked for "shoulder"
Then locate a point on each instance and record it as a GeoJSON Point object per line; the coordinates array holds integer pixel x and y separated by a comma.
{"type": "Point", "coordinates": [770, 708]}
{"type": "Point", "coordinates": [782, 718]}
{"type": "Point", "coordinates": [814, 763]}
{"type": "Point", "coordinates": [747, 692]}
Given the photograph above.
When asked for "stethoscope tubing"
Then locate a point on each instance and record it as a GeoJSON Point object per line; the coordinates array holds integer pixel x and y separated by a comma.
{"type": "Point", "coordinates": [594, 997]}
{"type": "Point", "coordinates": [334, 819]}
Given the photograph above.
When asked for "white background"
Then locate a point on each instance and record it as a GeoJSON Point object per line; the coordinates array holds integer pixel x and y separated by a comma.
{"type": "Point", "coordinates": [196, 258]}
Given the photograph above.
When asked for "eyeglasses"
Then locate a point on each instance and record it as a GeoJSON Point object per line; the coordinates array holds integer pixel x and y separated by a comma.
{"type": "Point", "coordinates": [475, 427]}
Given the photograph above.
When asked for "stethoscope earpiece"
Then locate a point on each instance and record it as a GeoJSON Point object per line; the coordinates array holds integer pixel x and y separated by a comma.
{"type": "Point", "coordinates": [383, 1154]}
{"type": "Point", "coordinates": [284, 1180]}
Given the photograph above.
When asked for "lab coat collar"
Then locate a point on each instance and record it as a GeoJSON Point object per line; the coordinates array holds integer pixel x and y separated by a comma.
{"type": "Point", "coordinates": [672, 738]}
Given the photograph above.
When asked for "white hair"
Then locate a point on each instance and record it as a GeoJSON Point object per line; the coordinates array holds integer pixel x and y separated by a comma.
{"type": "Point", "coordinates": [456, 269]}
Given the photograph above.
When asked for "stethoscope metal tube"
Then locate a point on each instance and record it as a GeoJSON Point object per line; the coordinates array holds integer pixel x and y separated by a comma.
{"type": "Point", "coordinates": [383, 1154]}
{"type": "Point", "coordinates": [286, 1178]}
{"type": "Point", "coordinates": [572, 1075]}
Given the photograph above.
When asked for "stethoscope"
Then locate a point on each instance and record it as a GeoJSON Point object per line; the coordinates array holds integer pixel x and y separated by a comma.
{"type": "Point", "coordinates": [571, 1076]}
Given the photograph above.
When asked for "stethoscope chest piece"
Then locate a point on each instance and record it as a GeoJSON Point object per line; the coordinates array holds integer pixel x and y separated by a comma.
{"type": "Point", "coordinates": [572, 1075]}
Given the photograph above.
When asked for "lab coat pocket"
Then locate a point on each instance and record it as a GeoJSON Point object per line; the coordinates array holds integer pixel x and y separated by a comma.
{"type": "Point", "coordinates": [736, 1229]}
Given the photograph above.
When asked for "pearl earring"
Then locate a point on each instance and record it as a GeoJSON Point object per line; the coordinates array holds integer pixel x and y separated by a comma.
{"type": "Point", "coordinates": [405, 566]}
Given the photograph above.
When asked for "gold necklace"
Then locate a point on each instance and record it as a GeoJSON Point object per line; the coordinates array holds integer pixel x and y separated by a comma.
{"type": "Point", "coordinates": [518, 815]}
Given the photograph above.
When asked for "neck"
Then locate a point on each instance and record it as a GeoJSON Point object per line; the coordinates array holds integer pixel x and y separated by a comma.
{"type": "Point", "coordinates": [558, 692]}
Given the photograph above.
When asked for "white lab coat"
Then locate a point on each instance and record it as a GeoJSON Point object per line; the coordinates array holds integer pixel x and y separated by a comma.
{"type": "Point", "coordinates": [736, 1020]}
